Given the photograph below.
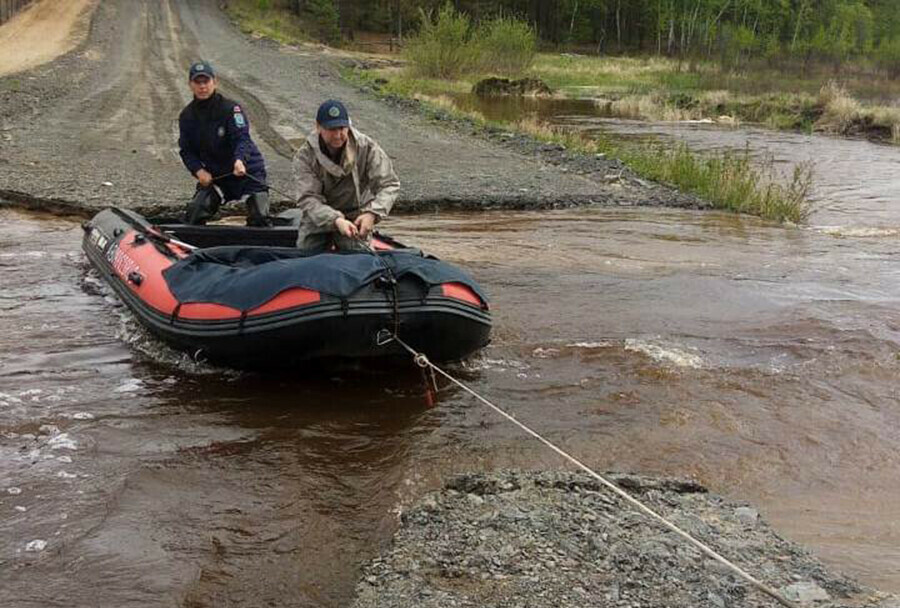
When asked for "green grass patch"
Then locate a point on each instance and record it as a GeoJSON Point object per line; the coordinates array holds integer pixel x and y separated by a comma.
{"type": "Point", "coordinates": [261, 19]}
{"type": "Point", "coordinates": [615, 75]}
{"type": "Point", "coordinates": [390, 81]}
{"type": "Point", "coordinates": [731, 181]}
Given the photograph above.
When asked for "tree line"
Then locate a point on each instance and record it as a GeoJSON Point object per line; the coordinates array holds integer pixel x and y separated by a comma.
{"type": "Point", "coordinates": [730, 31]}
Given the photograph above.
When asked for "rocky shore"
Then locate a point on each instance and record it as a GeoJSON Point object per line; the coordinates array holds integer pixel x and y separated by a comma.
{"type": "Point", "coordinates": [553, 539]}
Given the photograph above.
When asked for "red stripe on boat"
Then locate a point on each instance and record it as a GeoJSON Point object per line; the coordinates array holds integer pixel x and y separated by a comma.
{"type": "Point", "coordinates": [380, 245]}
{"type": "Point", "coordinates": [458, 291]}
{"type": "Point", "coordinates": [201, 311]}
{"type": "Point", "coordinates": [289, 298]}
{"type": "Point", "coordinates": [144, 259]}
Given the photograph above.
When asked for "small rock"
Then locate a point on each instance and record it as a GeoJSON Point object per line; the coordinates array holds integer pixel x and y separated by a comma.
{"type": "Point", "coordinates": [14, 491]}
{"type": "Point", "coordinates": [475, 499]}
{"type": "Point", "coordinates": [107, 184]}
{"type": "Point", "coordinates": [613, 593]}
{"type": "Point", "coordinates": [805, 592]}
{"type": "Point", "coordinates": [747, 515]}
{"type": "Point", "coordinates": [36, 545]}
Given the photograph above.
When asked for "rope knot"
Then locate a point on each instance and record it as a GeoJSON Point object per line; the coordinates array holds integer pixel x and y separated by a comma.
{"type": "Point", "coordinates": [421, 360]}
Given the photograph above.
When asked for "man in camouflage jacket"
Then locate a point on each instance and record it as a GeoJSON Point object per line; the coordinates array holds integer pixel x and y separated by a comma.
{"type": "Point", "coordinates": [345, 184]}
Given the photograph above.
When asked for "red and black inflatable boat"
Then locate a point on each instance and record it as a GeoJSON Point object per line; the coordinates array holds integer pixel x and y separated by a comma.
{"type": "Point", "coordinates": [247, 297]}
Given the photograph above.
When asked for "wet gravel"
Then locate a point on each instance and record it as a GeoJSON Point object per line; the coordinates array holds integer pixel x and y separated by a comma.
{"type": "Point", "coordinates": [555, 539]}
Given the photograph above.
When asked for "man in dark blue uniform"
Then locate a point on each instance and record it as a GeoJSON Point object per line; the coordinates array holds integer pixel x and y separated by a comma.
{"type": "Point", "coordinates": [215, 146]}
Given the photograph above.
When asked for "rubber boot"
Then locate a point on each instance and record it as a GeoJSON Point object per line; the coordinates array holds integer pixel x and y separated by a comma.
{"type": "Point", "coordinates": [202, 207]}
{"type": "Point", "coordinates": [258, 209]}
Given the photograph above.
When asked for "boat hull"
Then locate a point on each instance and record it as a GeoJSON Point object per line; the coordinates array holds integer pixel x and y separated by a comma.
{"type": "Point", "coordinates": [316, 326]}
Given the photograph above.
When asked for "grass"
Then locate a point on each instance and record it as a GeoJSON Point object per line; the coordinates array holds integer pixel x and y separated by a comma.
{"type": "Point", "coordinates": [260, 20]}
{"type": "Point", "coordinates": [612, 75]}
{"type": "Point", "coordinates": [730, 181]}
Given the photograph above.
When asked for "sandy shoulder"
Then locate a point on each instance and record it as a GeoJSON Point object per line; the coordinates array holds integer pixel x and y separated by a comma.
{"type": "Point", "coordinates": [42, 32]}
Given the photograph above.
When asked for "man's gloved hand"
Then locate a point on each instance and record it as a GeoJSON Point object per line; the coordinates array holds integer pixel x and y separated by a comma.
{"type": "Point", "coordinates": [365, 222]}
{"type": "Point", "coordinates": [346, 228]}
{"type": "Point", "coordinates": [204, 177]}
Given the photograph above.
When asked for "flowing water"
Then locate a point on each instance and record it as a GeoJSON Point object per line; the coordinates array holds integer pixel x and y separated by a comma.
{"type": "Point", "coordinates": [856, 186]}
{"type": "Point", "coordinates": [762, 360]}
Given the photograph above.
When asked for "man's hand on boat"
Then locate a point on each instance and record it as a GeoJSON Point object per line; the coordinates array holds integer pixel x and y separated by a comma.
{"type": "Point", "coordinates": [204, 177]}
{"type": "Point", "coordinates": [365, 223]}
{"type": "Point", "coordinates": [239, 169]}
{"type": "Point", "coordinates": [346, 228]}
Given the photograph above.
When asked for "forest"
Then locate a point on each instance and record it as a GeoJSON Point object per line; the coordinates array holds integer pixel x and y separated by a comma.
{"type": "Point", "coordinates": [729, 31]}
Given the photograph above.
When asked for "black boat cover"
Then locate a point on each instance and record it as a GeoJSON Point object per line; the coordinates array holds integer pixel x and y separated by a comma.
{"type": "Point", "coordinates": [247, 277]}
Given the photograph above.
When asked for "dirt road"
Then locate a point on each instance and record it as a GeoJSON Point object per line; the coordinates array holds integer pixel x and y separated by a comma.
{"type": "Point", "coordinates": [42, 32]}
{"type": "Point", "coordinates": [98, 125]}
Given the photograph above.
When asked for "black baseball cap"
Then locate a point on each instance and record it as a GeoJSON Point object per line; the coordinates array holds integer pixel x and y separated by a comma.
{"type": "Point", "coordinates": [332, 114]}
{"type": "Point", "coordinates": [201, 68]}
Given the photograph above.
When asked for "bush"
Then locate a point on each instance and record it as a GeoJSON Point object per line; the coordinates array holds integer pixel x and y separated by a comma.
{"type": "Point", "coordinates": [505, 46]}
{"type": "Point", "coordinates": [447, 46]}
{"type": "Point", "coordinates": [443, 47]}
{"type": "Point", "coordinates": [887, 56]}
{"type": "Point", "coordinates": [323, 16]}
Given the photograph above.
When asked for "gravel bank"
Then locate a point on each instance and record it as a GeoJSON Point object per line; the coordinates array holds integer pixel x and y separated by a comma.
{"type": "Point", "coordinates": [550, 539]}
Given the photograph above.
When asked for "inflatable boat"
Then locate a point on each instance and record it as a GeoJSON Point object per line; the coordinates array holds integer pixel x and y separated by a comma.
{"type": "Point", "coordinates": [247, 297]}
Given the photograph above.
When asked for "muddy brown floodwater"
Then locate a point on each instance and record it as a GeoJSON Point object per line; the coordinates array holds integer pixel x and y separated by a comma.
{"type": "Point", "coordinates": [762, 360]}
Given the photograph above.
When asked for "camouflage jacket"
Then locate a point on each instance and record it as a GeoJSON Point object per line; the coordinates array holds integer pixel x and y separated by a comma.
{"type": "Point", "coordinates": [363, 181]}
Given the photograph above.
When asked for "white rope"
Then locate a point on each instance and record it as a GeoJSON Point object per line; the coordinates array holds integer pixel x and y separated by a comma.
{"type": "Point", "coordinates": [421, 360]}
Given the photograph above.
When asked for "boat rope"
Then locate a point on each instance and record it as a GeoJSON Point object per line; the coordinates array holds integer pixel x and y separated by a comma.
{"type": "Point", "coordinates": [392, 281]}
{"type": "Point", "coordinates": [257, 180]}
{"type": "Point", "coordinates": [422, 361]}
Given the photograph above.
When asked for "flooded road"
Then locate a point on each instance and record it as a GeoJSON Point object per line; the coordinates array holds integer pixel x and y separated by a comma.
{"type": "Point", "coordinates": [761, 360]}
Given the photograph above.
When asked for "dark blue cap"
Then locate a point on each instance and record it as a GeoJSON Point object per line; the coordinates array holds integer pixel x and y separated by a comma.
{"type": "Point", "coordinates": [332, 114]}
{"type": "Point", "coordinates": [201, 68]}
